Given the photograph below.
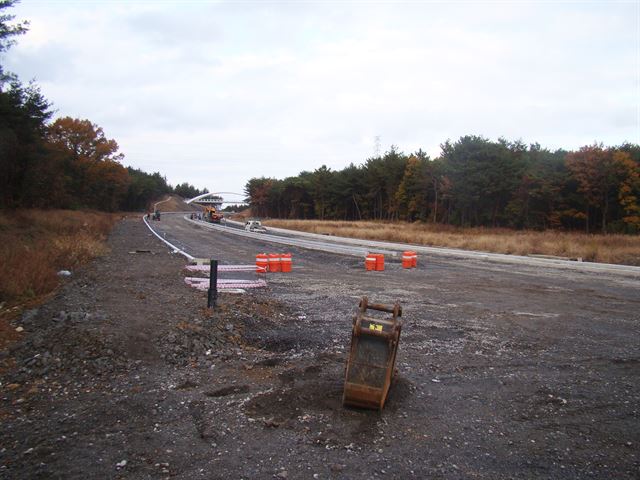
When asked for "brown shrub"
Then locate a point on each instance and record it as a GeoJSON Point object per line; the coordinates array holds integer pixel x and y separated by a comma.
{"type": "Point", "coordinates": [25, 272]}
{"type": "Point", "coordinates": [36, 244]}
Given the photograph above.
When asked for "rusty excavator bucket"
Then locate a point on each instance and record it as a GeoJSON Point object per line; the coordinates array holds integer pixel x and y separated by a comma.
{"type": "Point", "coordinates": [372, 358]}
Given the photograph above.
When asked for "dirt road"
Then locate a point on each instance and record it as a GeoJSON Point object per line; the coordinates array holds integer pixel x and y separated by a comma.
{"type": "Point", "coordinates": [504, 372]}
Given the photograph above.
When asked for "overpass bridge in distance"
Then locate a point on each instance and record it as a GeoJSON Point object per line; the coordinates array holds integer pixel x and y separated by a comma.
{"type": "Point", "coordinates": [214, 199]}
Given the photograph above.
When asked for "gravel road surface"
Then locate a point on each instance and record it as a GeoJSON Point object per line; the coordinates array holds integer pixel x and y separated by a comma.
{"type": "Point", "coordinates": [504, 371]}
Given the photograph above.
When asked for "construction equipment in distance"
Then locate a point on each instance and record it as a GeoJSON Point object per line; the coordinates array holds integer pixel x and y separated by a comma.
{"type": "Point", "coordinates": [212, 215]}
{"type": "Point", "coordinates": [372, 357]}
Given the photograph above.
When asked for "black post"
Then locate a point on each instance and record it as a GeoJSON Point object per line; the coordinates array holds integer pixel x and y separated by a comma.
{"type": "Point", "coordinates": [212, 294]}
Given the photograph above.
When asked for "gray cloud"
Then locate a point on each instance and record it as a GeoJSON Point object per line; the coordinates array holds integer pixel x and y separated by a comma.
{"type": "Point", "coordinates": [214, 93]}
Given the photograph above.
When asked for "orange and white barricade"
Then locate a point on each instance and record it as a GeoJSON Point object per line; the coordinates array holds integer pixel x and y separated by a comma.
{"type": "Point", "coordinates": [274, 262]}
{"type": "Point", "coordinates": [286, 262]}
{"type": "Point", "coordinates": [370, 262]}
{"type": "Point", "coordinates": [407, 259]}
{"type": "Point", "coordinates": [262, 263]}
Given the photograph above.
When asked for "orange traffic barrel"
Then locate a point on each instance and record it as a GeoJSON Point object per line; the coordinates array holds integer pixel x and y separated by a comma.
{"type": "Point", "coordinates": [370, 262]}
{"type": "Point", "coordinates": [414, 259]}
{"type": "Point", "coordinates": [379, 262]}
{"type": "Point", "coordinates": [262, 263]}
{"type": "Point", "coordinates": [285, 262]}
{"type": "Point", "coordinates": [274, 262]}
{"type": "Point", "coordinates": [407, 259]}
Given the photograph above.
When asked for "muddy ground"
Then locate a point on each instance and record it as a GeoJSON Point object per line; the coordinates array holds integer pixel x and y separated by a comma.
{"type": "Point", "coordinates": [503, 372]}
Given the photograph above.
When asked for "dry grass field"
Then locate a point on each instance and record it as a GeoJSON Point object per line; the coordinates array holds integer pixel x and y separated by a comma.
{"type": "Point", "coordinates": [36, 244]}
{"type": "Point", "coordinates": [620, 249]}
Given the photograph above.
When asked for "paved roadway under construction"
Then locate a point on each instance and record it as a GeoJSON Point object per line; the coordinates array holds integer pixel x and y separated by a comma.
{"type": "Point", "coordinates": [540, 363]}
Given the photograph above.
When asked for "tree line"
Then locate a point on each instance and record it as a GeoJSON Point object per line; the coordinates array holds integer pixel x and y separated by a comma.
{"type": "Point", "coordinates": [473, 182]}
{"type": "Point", "coordinates": [68, 163]}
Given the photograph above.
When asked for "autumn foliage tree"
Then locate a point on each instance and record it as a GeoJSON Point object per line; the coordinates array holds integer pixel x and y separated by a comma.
{"type": "Point", "coordinates": [629, 189]}
{"type": "Point", "coordinates": [90, 163]}
{"type": "Point", "coordinates": [413, 193]}
{"type": "Point", "coordinates": [82, 139]}
{"type": "Point", "coordinates": [601, 174]}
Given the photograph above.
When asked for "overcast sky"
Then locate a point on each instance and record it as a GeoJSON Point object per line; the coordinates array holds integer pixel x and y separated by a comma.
{"type": "Point", "coordinates": [214, 93]}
